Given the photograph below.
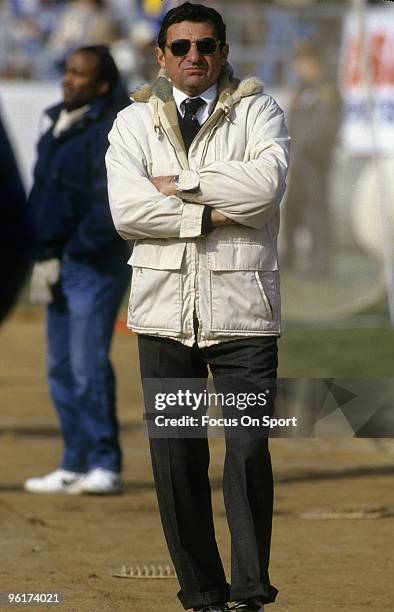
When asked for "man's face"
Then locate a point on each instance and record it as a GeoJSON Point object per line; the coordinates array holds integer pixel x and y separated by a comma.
{"type": "Point", "coordinates": [192, 73]}
{"type": "Point", "coordinates": [80, 81]}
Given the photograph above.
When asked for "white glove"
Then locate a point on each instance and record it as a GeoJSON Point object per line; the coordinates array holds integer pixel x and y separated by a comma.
{"type": "Point", "coordinates": [45, 274]}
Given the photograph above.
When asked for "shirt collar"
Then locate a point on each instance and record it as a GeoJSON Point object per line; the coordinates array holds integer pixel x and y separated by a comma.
{"type": "Point", "coordinates": [209, 96]}
{"type": "Point", "coordinates": [67, 119]}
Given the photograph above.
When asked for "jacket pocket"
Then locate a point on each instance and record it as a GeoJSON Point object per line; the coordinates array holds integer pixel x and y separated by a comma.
{"type": "Point", "coordinates": [244, 295]}
{"type": "Point", "coordinates": [156, 287]}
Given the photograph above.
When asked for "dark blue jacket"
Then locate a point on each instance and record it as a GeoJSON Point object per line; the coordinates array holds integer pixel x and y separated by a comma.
{"type": "Point", "coordinates": [69, 198]}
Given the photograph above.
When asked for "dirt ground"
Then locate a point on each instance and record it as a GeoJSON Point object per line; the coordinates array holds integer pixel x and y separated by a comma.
{"type": "Point", "coordinates": [73, 544]}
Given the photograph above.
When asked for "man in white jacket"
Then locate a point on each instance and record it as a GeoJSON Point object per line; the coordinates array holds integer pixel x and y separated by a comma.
{"type": "Point", "coordinates": [196, 171]}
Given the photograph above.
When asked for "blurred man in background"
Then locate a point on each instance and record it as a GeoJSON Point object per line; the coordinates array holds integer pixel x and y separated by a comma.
{"type": "Point", "coordinates": [314, 120]}
{"type": "Point", "coordinates": [81, 273]}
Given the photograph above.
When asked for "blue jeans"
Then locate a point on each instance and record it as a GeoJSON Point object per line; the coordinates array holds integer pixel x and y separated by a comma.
{"type": "Point", "coordinates": [80, 324]}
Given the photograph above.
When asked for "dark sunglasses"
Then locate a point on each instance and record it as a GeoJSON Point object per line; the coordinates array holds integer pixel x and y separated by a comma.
{"type": "Point", "coordinates": [205, 46]}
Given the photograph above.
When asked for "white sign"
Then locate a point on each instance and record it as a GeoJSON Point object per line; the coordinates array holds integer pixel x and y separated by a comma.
{"type": "Point", "coordinates": [367, 80]}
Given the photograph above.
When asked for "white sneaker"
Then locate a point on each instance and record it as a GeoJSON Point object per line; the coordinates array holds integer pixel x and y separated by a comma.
{"type": "Point", "coordinates": [59, 481]}
{"type": "Point", "coordinates": [102, 482]}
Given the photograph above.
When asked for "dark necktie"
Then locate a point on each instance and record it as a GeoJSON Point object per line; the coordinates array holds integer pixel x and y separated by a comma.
{"type": "Point", "coordinates": [188, 123]}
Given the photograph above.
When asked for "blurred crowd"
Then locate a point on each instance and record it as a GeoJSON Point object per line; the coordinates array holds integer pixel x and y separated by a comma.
{"type": "Point", "coordinates": [37, 35]}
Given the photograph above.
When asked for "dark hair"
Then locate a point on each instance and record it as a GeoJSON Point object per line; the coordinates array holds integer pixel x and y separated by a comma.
{"type": "Point", "coordinates": [106, 68]}
{"type": "Point", "coordinates": [117, 96]}
{"type": "Point", "coordinates": [191, 12]}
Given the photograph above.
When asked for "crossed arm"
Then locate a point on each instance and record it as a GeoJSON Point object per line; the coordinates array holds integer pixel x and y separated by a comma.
{"type": "Point", "coordinates": [246, 191]}
{"type": "Point", "coordinates": [166, 186]}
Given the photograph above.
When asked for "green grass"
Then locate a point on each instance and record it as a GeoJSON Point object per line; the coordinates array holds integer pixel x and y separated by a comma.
{"type": "Point", "coordinates": [344, 353]}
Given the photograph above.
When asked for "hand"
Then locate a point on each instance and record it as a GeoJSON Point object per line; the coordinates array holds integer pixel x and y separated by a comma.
{"type": "Point", "coordinates": [218, 219]}
{"type": "Point", "coordinates": [45, 274]}
{"type": "Point", "coordinates": [164, 184]}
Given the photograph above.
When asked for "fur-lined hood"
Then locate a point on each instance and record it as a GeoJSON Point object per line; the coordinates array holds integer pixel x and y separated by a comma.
{"type": "Point", "coordinates": [159, 96]}
{"type": "Point", "coordinates": [230, 89]}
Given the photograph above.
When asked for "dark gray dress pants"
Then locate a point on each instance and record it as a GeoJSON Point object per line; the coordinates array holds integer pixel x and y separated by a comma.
{"type": "Point", "coordinates": [180, 468]}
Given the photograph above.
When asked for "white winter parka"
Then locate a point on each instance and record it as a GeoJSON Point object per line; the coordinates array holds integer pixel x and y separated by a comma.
{"type": "Point", "coordinates": [237, 165]}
